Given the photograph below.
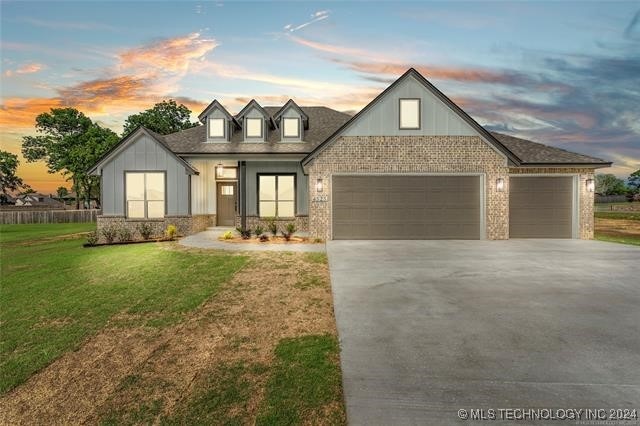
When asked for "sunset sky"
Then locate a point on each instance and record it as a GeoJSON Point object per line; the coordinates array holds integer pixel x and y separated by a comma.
{"type": "Point", "coordinates": [562, 73]}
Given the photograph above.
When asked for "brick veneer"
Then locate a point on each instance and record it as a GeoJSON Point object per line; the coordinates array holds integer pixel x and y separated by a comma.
{"type": "Point", "coordinates": [585, 210]}
{"type": "Point", "coordinates": [186, 224]}
{"type": "Point", "coordinates": [428, 154]}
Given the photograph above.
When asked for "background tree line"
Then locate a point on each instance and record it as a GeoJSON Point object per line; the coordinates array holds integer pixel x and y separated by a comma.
{"type": "Point", "coordinates": [70, 143]}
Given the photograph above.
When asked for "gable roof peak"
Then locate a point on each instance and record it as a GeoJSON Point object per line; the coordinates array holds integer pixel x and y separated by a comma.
{"type": "Point", "coordinates": [214, 104]}
{"type": "Point", "coordinates": [291, 103]}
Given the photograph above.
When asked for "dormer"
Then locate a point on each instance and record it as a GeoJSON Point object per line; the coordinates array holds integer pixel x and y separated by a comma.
{"type": "Point", "coordinates": [219, 123]}
{"type": "Point", "coordinates": [255, 121]}
{"type": "Point", "coordinates": [292, 122]}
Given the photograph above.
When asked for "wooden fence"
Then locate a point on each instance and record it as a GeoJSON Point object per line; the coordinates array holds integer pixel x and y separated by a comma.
{"type": "Point", "coordinates": [48, 216]}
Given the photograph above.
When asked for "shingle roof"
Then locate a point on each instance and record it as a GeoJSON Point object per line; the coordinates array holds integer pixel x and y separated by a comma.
{"type": "Point", "coordinates": [323, 122]}
{"type": "Point", "coordinates": [536, 153]}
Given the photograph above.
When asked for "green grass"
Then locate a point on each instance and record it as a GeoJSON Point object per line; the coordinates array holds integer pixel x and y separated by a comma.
{"type": "Point", "coordinates": [618, 215]}
{"type": "Point", "coordinates": [29, 233]}
{"type": "Point", "coordinates": [305, 378]}
{"type": "Point", "coordinates": [55, 293]}
{"type": "Point", "coordinates": [618, 239]}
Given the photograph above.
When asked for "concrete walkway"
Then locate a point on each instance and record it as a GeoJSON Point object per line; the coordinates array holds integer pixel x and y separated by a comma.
{"type": "Point", "coordinates": [209, 240]}
{"type": "Point", "coordinates": [428, 328]}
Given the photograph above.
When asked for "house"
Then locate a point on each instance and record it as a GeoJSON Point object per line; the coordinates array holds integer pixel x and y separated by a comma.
{"type": "Point", "coordinates": [35, 199]}
{"type": "Point", "coordinates": [410, 165]}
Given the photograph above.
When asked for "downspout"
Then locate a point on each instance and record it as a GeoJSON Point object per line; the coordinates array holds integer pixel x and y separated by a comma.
{"type": "Point", "coordinates": [243, 195]}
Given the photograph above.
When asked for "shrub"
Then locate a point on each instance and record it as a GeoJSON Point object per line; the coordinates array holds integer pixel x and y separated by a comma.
{"type": "Point", "coordinates": [227, 235]}
{"type": "Point", "coordinates": [171, 232]}
{"type": "Point", "coordinates": [245, 234]}
{"type": "Point", "coordinates": [317, 240]}
{"type": "Point", "coordinates": [264, 237]}
{"type": "Point", "coordinates": [124, 234]}
{"type": "Point", "coordinates": [272, 225]}
{"type": "Point", "coordinates": [92, 238]}
{"type": "Point", "coordinates": [259, 230]}
{"type": "Point", "coordinates": [145, 229]}
{"type": "Point", "coordinates": [109, 233]}
{"type": "Point", "coordinates": [290, 228]}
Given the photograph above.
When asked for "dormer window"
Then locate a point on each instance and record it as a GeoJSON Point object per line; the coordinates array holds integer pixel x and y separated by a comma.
{"type": "Point", "coordinates": [253, 127]}
{"type": "Point", "coordinates": [291, 128]}
{"type": "Point", "coordinates": [409, 114]}
{"type": "Point", "coordinates": [217, 127]}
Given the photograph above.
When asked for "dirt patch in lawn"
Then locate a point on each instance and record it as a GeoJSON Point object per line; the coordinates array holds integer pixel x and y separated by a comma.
{"type": "Point", "coordinates": [617, 227]}
{"type": "Point", "coordinates": [141, 375]}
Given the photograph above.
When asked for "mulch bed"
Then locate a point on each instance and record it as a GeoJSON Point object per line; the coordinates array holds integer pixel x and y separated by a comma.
{"type": "Point", "coordinates": [272, 240]}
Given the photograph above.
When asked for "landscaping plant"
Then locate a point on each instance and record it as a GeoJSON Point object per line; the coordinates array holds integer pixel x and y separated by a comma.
{"type": "Point", "coordinates": [124, 234]}
{"type": "Point", "coordinates": [290, 228]}
{"type": "Point", "coordinates": [227, 235]}
{"type": "Point", "coordinates": [245, 234]}
{"type": "Point", "coordinates": [259, 230]}
{"type": "Point", "coordinates": [92, 238]}
{"type": "Point", "coordinates": [109, 233]}
{"type": "Point", "coordinates": [171, 232]}
{"type": "Point", "coordinates": [272, 225]}
{"type": "Point", "coordinates": [145, 230]}
{"type": "Point", "coordinates": [264, 238]}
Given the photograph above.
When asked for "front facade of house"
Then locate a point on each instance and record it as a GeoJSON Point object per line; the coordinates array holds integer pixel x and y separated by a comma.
{"type": "Point", "coordinates": [410, 165]}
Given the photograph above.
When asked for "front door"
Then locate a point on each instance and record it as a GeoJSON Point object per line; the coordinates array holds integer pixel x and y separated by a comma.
{"type": "Point", "coordinates": [226, 203]}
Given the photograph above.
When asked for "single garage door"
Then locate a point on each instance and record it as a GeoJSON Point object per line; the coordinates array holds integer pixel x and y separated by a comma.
{"type": "Point", "coordinates": [540, 207]}
{"type": "Point", "coordinates": [406, 207]}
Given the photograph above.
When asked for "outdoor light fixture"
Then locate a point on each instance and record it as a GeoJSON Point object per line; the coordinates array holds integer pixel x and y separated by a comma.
{"type": "Point", "coordinates": [500, 184]}
{"type": "Point", "coordinates": [319, 185]}
{"type": "Point", "coordinates": [591, 185]}
{"type": "Point", "coordinates": [220, 170]}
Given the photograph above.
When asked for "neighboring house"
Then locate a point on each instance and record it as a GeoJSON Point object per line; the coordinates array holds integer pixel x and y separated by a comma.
{"type": "Point", "coordinates": [38, 200]}
{"type": "Point", "coordinates": [410, 165]}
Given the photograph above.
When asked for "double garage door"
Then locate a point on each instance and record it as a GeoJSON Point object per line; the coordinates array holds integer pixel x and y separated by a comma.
{"type": "Point", "coordinates": [445, 207]}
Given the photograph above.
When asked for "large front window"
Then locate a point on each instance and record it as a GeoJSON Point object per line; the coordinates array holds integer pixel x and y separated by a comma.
{"type": "Point", "coordinates": [145, 195]}
{"type": "Point", "coordinates": [276, 195]}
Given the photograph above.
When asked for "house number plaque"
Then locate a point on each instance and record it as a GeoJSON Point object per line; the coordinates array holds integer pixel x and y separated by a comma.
{"type": "Point", "coordinates": [320, 198]}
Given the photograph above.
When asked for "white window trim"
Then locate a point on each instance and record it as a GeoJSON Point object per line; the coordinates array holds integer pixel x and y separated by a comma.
{"type": "Point", "coordinates": [419, 126]}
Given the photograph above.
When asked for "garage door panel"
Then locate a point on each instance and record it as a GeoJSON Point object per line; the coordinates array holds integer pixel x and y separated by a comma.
{"type": "Point", "coordinates": [406, 207]}
{"type": "Point", "coordinates": [541, 207]}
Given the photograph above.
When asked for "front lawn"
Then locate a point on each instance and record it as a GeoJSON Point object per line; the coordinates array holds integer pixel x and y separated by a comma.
{"type": "Point", "coordinates": [618, 227]}
{"type": "Point", "coordinates": [157, 333]}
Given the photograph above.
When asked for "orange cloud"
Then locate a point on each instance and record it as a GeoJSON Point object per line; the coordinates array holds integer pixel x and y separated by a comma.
{"type": "Point", "coordinates": [173, 55]}
{"type": "Point", "coordinates": [25, 69]}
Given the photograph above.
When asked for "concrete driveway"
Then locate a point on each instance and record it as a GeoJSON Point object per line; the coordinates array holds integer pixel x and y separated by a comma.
{"type": "Point", "coordinates": [431, 327]}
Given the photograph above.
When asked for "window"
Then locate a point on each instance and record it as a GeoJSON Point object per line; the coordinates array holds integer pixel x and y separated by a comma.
{"type": "Point", "coordinates": [216, 127]}
{"type": "Point", "coordinates": [276, 195]}
{"type": "Point", "coordinates": [253, 127]}
{"type": "Point", "coordinates": [409, 113]}
{"type": "Point", "coordinates": [145, 195]}
{"type": "Point", "coordinates": [291, 127]}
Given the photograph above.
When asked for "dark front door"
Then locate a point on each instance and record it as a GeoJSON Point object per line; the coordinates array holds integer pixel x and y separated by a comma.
{"type": "Point", "coordinates": [226, 203]}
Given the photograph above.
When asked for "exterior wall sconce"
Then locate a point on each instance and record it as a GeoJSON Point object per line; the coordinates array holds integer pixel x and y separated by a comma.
{"type": "Point", "coordinates": [219, 170]}
{"type": "Point", "coordinates": [500, 184]}
{"type": "Point", "coordinates": [591, 185]}
{"type": "Point", "coordinates": [319, 185]}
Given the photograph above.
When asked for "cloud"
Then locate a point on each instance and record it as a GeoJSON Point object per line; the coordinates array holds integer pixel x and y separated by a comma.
{"type": "Point", "coordinates": [318, 16]}
{"type": "Point", "coordinates": [631, 32]}
{"type": "Point", "coordinates": [330, 48]}
{"type": "Point", "coordinates": [174, 55]}
{"type": "Point", "coordinates": [25, 69]}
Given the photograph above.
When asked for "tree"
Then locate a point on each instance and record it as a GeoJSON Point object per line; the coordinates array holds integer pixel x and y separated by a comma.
{"type": "Point", "coordinates": [164, 118]}
{"type": "Point", "coordinates": [9, 181]}
{"type": "Point", "coordinates": [69, 143]}
{"type": "Point", "coordinates": [62, 192]}
{"type": "Point", "coordinates": [609, 184]}
{"type": "Point", "coordinates": [633, 182]}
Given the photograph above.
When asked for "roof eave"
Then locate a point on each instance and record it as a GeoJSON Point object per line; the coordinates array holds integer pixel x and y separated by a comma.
{"type": "Point", "coordinates": [567, 165]}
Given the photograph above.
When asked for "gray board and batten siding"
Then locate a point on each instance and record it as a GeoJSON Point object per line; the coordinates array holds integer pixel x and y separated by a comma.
{"type": "Point", "coordinates": [144, 154]}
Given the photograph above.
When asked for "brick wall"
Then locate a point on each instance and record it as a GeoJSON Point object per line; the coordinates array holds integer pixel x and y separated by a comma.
{"type": "Point", "coordinates": [186, 224]}
{"type": "Point", "coordinates": [411, 154]}
{"type": "Point", "coordinates": [302, 223]}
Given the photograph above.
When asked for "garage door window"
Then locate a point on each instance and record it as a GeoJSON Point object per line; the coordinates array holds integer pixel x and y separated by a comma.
{"type": "Point", "coordinates": [276, 195]}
